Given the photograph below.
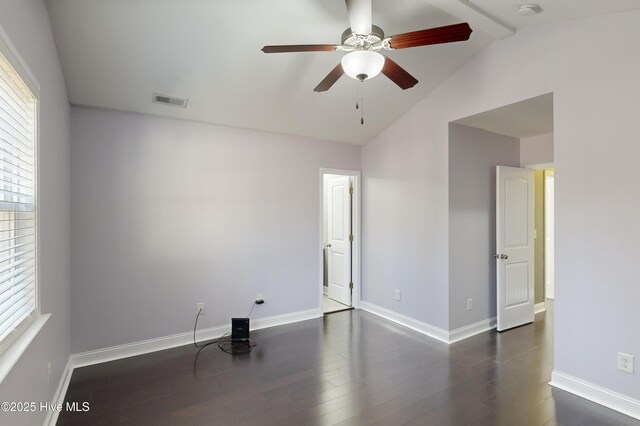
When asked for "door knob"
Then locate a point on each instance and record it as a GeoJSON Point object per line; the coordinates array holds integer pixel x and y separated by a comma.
{"type": "Point", "coordinates": [328, 245]}
{"type": "Point", "coordinates": [504, 256]}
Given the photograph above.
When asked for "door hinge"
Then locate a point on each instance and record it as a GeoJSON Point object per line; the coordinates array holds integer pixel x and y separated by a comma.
{"type": "Point", "coordinates": [351, 190]}
{"type": "Point", "coordinates": [351, 286]}
{"type": "Point", "coordinates": [351, 237]}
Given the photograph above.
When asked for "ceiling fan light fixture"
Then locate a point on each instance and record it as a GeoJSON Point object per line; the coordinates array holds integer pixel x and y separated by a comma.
{"type": "Point", "coordinates": [362, 64]}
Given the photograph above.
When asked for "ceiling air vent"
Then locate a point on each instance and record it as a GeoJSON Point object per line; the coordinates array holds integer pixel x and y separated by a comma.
{"type": "Point", "coordinates": [170, 100]}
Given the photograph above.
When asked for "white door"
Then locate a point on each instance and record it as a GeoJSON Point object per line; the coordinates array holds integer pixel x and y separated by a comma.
{"type": "Point", "coordinates": [515, 246]}
{"type": "Point", "coordinates": [549, 282]}
{"type": "Point", "coordinates": [339, 245]}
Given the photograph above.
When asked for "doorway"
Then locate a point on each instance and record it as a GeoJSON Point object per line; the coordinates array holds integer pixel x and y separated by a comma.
{"type": "Point", "coordinates": [340, 234]}
{"type": "Point", "coordinates": [544, 240]}
{"type": "Point", "coordinates": [517, 135]}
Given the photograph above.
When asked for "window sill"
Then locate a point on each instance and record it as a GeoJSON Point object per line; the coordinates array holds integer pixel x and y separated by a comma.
{"type": "Point", "coordinates": [10, 357]}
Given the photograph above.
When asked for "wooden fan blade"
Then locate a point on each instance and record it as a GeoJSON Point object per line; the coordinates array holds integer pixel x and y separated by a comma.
{"type": "Point", "coordinates": [446, 34]}
{"type": "Point", "coordinates": [398, 75]}
{"type": "Point", "coordinates": [288, 48]}
{"type": "Point", "coordinates": [359, 16]}
{"type": "Point", "coordinates": [330, 79]}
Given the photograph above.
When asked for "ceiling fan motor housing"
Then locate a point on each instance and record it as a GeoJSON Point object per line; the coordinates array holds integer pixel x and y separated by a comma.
{"type": "Point", "coordinates": [357, 41]}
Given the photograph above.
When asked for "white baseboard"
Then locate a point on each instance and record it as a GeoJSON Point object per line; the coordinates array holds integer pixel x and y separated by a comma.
{"type": "Point", "coordinates": [471, 330]}
{"type": "Point", "coordinates": [167, 342]}
{"type": "Point", "coordinates": [595, 393]}
{"type": "Point", "coordinates": [540, 307]}
{"type": "Point", "coordinates": [419, 326]}
{"type": "Point", "coordinates": [152, 345]}
{"type": "Point", "coordinates": [58, 396]}
{"type": "Point", "coordinates": [283, 319]}
{"type": "Point", "coordinates": [437, 333]}
{"type": "Point", "coordinates": [145, 346]}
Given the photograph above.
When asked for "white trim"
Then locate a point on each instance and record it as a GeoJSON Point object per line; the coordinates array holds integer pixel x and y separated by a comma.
{"type": "Point", "coordinates": [152, 345]}
{"type": "Point", "coordinates": [16, 348]}
{"type": "Point", "coordinates": [432, 331]}
{"type": "Point", "coordinates": [356, 266]}
{"type": "Point", "coordinates": [471, 330]}
{"type": "Point", "coordinates": [540, 307]}
{"type": "Point", "coordinates": [58, 396]}
{"type": "Point", "coordinates": [283, 319]}
{"type": "Point", "coordinates": [549, 235]}
{"type": "Point", "coordinates": [419, 326]}
{"type": "Point", "coordinates": [541, 166]}
{"type": "Point", "coordinates": [145, 346]}
{"type": "Point", "coordinates": [14, 344]}
{"type": "Point", "coordinates": [11, 53]}
{"type": "Point", "coordinates": [595, 393]}
{"type": "Point", "coordinates": [167, 342]}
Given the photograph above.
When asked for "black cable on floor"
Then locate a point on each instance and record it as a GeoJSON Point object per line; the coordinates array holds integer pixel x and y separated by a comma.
{"type": "Point", "coordinates": [194, 333]}
{"type": "Point", "coordinates": [225, 343]}
{"type": "Point", "coordinates": [235, 347]}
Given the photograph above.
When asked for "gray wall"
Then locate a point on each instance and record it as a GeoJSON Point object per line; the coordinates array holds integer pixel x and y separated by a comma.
{"type": "Point", "coordinates": [536, 150]}
{"type": "Point", "coordinates": [596, 102]}
{"type": "Point", "coordinates": [404, 221]}
{"type": "Point", "coordinates": [27, 24]}
{"type": "Point", "coordinates": [473, 157]}
{"type": "Point", "coordinates": [168, 213]}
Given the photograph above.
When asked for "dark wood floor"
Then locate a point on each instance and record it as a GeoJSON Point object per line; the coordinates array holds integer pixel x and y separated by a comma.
{"type": "Point", "coordinates": [349, 368]}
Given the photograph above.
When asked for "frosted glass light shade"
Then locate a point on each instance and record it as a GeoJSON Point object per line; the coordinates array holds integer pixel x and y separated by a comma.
{"type": "Point", "coordinates": [362, 64]}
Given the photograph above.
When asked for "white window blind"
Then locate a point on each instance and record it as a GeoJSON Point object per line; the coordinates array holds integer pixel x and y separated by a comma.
{"type": "Point", "coordinates": [18, 131]}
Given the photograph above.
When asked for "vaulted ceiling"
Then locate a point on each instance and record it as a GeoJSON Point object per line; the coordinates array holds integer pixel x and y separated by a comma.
{"type": "Point", "coordinates": [530, 117]}
{"type": "Point", "coordinates": [116, 54]}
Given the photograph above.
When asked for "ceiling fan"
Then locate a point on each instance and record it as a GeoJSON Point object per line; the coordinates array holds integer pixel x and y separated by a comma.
{"type": "Point", "coordinates": [363, 41]}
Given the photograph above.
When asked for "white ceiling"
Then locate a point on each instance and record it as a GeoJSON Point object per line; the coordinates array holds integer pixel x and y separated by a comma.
{"type": "Point", "coordinates": [553, 10]}
{"type": "Point", "coordinates": [531, 117]}
{"type": "Point", "coordinates": [117, 53]}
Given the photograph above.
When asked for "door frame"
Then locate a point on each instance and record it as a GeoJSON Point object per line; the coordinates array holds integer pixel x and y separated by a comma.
{"type": "Point", "coordinates": [543, 166]}
{"type": "Point", "coordinates": [356, 229]}
{"type": "Point", "coordinates": [546, 230]}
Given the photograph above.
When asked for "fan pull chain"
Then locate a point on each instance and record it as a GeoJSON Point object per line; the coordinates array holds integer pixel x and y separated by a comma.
{"type": "Point", "coordinates": [362, 107]}
{"type": "Point", "coordinates": [360, 100]}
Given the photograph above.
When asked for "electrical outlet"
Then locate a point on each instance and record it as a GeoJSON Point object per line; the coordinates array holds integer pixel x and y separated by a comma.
{"type": "Point", "coordinates": [396, 296]}
{"type": "Point", "coordinates": [625, 362]}
{"type": "Point", "coordinates": [469, 304]}
{"type": "Point", "coordinates": [200, 308]}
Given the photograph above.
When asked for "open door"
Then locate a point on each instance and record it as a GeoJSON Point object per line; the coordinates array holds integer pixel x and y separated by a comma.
{"type": "Point", "coordinates": [339, 245]}
{"type": "Point", "coordinates": [515, 246]}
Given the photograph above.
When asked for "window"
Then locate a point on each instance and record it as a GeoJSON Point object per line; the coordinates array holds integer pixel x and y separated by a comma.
{"type": "Point", "coordinates": [18, 263]}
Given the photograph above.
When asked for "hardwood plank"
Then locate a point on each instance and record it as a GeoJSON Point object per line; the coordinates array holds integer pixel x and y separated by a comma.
{"type": "Point", "coordinates": [348, 368]}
